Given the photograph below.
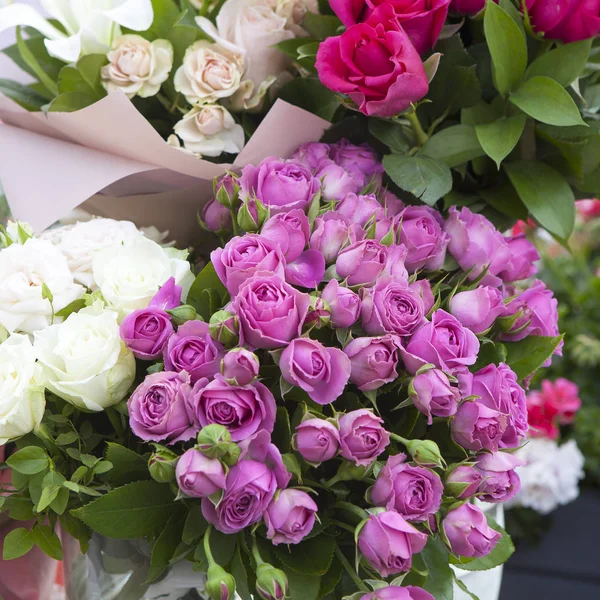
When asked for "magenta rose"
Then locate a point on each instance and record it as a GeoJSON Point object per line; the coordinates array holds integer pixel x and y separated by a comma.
{"type": "Point", "coordinates": [344, 304]}
{"type": "Point", "coordinates": [433, 395]}
{"type": "Point", "coordinates": [475, 243]}
{"type": "Point", "coordinates": [240, 366]}
{"type": "Point", "coordinates": [468, 532]}
{"type": "Point", "coordinates": [569, 21]}
{"type": "Point", "coordinates": [423, 288]}
{"type": "Point", "coordinates": [244, 410]}
{"type": "Point", "coordinates": [362, 436]}
{"type": "Point", "coordinates": [497, 388]}
{"type": "Point", "coordinates": [375, 64]}
{"type": "Point", "coordinates": [290, 517]}
{"type": "Point", "coordinates": [373, 360]}
{"type": "Point", "coordinates": [250, 488]}
{"type": "Point", "coordinates": [322, 372]}
{"type": "Point", "coordinates": [391, 307]}
{"type": "Point", "coordinates": [168, 296]}
{"type": "Point", "coordinates": [443, 342]}
{"type": "Point", "coordinates": [307, 270]}
{"type": "Point", "coordinates": [332, 232]}
{"type": "Point", "coordinates": [216, 217]}
{"type": "Point", "coordinates": [199, 476]}
{"type": "Point", "coordinates": [336, 182]}
{"type": "Point", "coordinates": [146, 332]}
{"type": "Point", "coordinates": [362, 162]}
{"type": "Point", "coordinates": [258, 447]}
{"type": "Point", "coordinates": [500, 481]}
{"type": "Point", "coordinates": [317, 440]}
{"type": "Point", "coordinates": [243, 256]}
{"type": "Point", "coordinates": [360, 209]}
{"type": "Point", "coordinates": [523, 256]}
{"type": "Point", "coordinates": [421, 231]}
{"type": "Point", "coordinates": [478, 309]}
{"type": "Point", "coordinates": [280, 184]}
{"type": "Point", "coordinates": [270, 311]}
{"type": "Point", "coordinates": [468, 7]}
{"type": "Point", "coordinates": [362, 263]}
{"type": "Point", "coordinates": [388, 542]}
{"type": "Point", "coordinates": [158, 408]}
{"type": "Point", "coordinates": [463, 482]}
{"type": "Point", "coordinates": [477, 427]}
{"type": "Point", "coordinates": [290, 230]}
{"type": "Point", "coordinates": [395, 592]}
{"type": "Point", "coordinates": [192, 349]}
{"type": "Point", "coordinates": [415, 492]}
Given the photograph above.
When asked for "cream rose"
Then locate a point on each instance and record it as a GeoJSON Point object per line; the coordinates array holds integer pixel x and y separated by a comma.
{"type": "Point", "coordinates": [84, 360]}
{"type": "Point", "coordinates": [137, 66]}
{"type": "Point", "coordinates": [22, 400]}
{"type": "Point", "coordinates": [294, 12]}
{"type": "Point", "coordinates": [210, 130]}
{"type": "Point", "coordinates": [209, 72]}
{"type": "Point", "coordinates": [130, 276]}
{"type": "Point", "coordinates": [28, 272]}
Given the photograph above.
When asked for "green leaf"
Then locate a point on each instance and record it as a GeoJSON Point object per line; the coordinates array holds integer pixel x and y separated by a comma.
{"type": "Point", "coordinates": [22, 94]}
{"type": "Point", "coordinates": [47, 541]}
{"type": "Point", "coordinates": [31, 61]}
{"type": "Point", "coordinates": [303, 587]}
{"type": "Point", "coordinates": [72, 307]}
{"type": "Point", "coordinates": [195, 525]}
{"type": "Point", "coordinates": [463, 587]}
{"type": "Point", "coordinates": [310, 94]}
{"type": "Point", "coordinates": [310, 557]}
{"type": "Point", "coordinates": [223, 546]}
{"type": "Point", "coordinates": [290, 47]}
{"type": "Point", "coordinates": [127, 465]}
{"type": "Point", "coordinates": [499, 138]}
{"type": "Point", "coordinates": [17, 543]}
{"type": "Point", "coordinates": [454, 145]}
{"type": "Point", "coordinates": [70, 102]}
{"type": "Point", "coordinates": [422, 176]}
{"type": "Point", "coordinates": [321, 26]}
{"type": "Point", "coordinates": [132, 511]}
{"type": "Point", "coordinates": [59, 504]}
{"type": "Point", "coordinates": [238, 570]}
{"type": "Point", "coordinates": [84, 77]}
{"type": "Point", "coordinates": [166, 543]}
{"type": "Point", "coordinates": [493, 352]}
{"type": "Point", "coordinates": [51, 486]}
{"type": "Point", "coordinates": [19, 508]}
{"type": "Point", "coordinates": [546, 194]}
{"type": "Point", "coordinates": [528, 355]}
{"type": "Point", "coordinates": [505, 199]}
{"type": "Point", "coordinates": [207, 279]}
{"type": "Point", "coordinates": [507, 47]}
{"type": "Point", "coordinates": [29, 460]}
{"type": "Point", "coordinates": [64, 439]}
{"type": "Point", "coordinates": [282, 434]}
{"type": "Point", "coordinates": [563, 64]}
{"type": "Point", "coordinates": [498, 556]}
{"type": "Point", "coordinates": [330, 580]}
{"type": "Point", "coordinates": [391, 134]}
{"type": "Point", "coordinates": [440, 580]}
{"type": "Point", "coordinates": [76, 529]}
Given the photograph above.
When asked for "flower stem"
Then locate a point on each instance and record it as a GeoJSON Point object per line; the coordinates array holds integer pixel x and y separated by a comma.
{"type": "Point", "coordinates": [343, 525]}
{"type": "Point", "coordinates": [207, 550]}
{"type": "Point", "coordinates": [421, 136]}
{"type": "Point", "coordinates": [256, 553]}
{"type": "Point", "coordinates": [353, 574]}
{"type": "Point", "coordinates": [353, 509]}
{"type": "Point", "coordinates": [399, 438]}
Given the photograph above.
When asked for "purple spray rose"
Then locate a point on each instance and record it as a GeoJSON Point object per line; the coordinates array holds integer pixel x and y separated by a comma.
{"type": "Point", "coordinates": [360, 209]}
{"type": "Point", "coordinates": [344, 304]}
{"type": "Point", "coordinates": [282, 185]}
{"type": "Point", "coordinates": [478, 309]}
{"type": "Point", "coordinates": [500, 481]}
{"type": "Point", "coordinates": [395, 592]}
{"type": "Point", "coordinates": [468, 532]}
{"type": "Point", "coordinates": [271, 312]}
{"type": "Point", "coordinates": [362, 162]}
{"type": "Point", "coordinates": [373, 361]}
{"type": "Point", "coordinates": [290, 230]}
{"type": "Point", "coordinates": [290, 517]}
{"type": "Point", "coordinates": [415, 492]}
{"type": "Point", "coordinates": [250, 488]}
{"type": "Point", "coordinates": [158, 408]}
{"type": "Point", "coordinates": [465, 479]}
{"type": "Point", "coordinates": [168, 296]}
{"type": "Point", "coordinates": [388, 542]}
{"type": "Point", "coordinates": [362, 436]}
{"type": "Point", "coordinates": [477, 427]}
{"type": "Point", "coordinates": [391, 307]}
{"type": "Point", "coordinates": [475, 243]}
{"type": "Point", "coordinates": [433, 395]}
{"type": "Point", "coordinates": [317, 440]}
{"type": "Point", "coordinates": [443, 342]}
{"type": "Point", "coordinates": [312, 154]}
{"type": "Point", "coordinates": [391, 203]}
{"type": "Point", "coordinates": [332, 232]}
{"type": "Point", "coordinates": [244, 410]}
{"type": "Point", "coordinates": [523, 258]}
{"type": "Point", "coordinates": [240, 366]}
{"type": "Point", "coordinates": [307, 270]}
{"type": "Point", "coordinates": [146, 332]}
{"type": "Point", "coordinates": [423, 288]}
{"type": "Point", "coordinates": [243, 256]}
{"type": "Point", "coordinates": [199, 476]}
{"type": "Point", "coordinates": [258, 447]}
{"type": "Point", "coordinates": [322, 372]}
{"type": "Point", "coordinates": [216, 217]}
{"type": "Point", "coordinates": [336, 181]}
{"type": "Point", "coordinates": [192, 349]}
{"type": "Point", "coordinates": [421, 231]}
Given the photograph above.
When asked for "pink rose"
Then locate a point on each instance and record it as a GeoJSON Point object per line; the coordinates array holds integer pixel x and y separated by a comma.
{"type": "Point", "coordinates": [337, 182]}
{"type": "Point", "coordinates": [432, 394]}
{"type": "Point", "coordinates": [374, 361]}
{"type": "Point", "coordinates": [477, 427]}
{"type": "Point", "coordinates": [468, 532]}
{"type": "Point", "coordinates": [500, 482]}
{"type": "Point", "coordinates": [199, 476]}
{"type": "Point", "coordinates": [523, 256]}
{"type": "Point", "coordinates": [344, 304]}
{"type": "Point", "coordinates": [290, 230]}
{"type": "Point", "coordinates": [290, 517]}
{"type": "Point", "coordinates": [360, 209]}
{"type": "Point", "coordinates": [332, 232]}
{"type": "Point", "coordinates": [362, 436]}
{"type": "Point", "coordinates": [569, 20]}
{"type": "Point", "coordinates": [317, 440]}
{"type": "Point", "coordinates": [477, 309]}
{"type": "Point", "coordinates": [361, 162]}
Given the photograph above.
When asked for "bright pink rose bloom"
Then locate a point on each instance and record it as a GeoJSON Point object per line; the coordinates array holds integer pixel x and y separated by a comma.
{"type": "Point", "coordinates": [362, 263]}
{"type": "Point", "coordinates": [588, 209]}
{"type": "Point", "coordinates": [477, 309]}
{"type": "Point", "coordinates": [168, 296]}
{"type": "Point", "coordinates": [374, 361]}
{"type": "Point", "coordinates": [146, 331]}
{"type": "Point", "coordinates": [468, 7]}
{"type": "Point", "coordinates": [563, 396]}
{"type": "Point", "coordinates": [567, 20]}
{"type": "Point", "coordinates": [477, 427]}
{"type": "Point", "coordinates": [433, 395]}
{"type": "Point", "coordinates": [307, 270]}
{"type": "Point", "coordinates": [542, 417]}
{"type": "Point", "coordinates": [290, 517]}
{"type": "Point", "coordinates": [468, 532]}
{"type": "Point", "coordinates": [199, 476]}
{"type": "Point", "coordinates": [395, 592]}
{"type": "Point", "coordinates": [423, 288]}
{"type": "Point", "coordinates": [362, 436]}
{"type": "Point", "coordinates": [375, 64]}
{"type": "Point", "coordinates": [500, 480]}
{"type": "Point", "coordinates": [344, 304]}
{"type": "Point", "coordinates": [317, 440]}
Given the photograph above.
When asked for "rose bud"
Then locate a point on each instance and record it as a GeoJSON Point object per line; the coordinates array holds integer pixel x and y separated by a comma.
{"type": "Point", "coordinates": [373, 361]}
{"type": "Point", "coordinates": [146, 332]}
{"type": "Point", "coordinates": [317, 440]}
{"type": "Point", "coordinates": [318, 312]}
{"type": "Point", "coordinates": [227, 191]}
{"type": "Point", "coordinates": [199, 476]}
{"type": "Point", "coordinates": [477, 427]}
{"type": "Point", "coordinates": [362, 437]}
{"type": "Point", "coordinates": [290, 230]}
{"type": "Point", "coordinates": [395, 592]}
{"type": "Point", "coordinates": [216, 217]}
{"type": "Point", "coordinates": [524, 255]}
{"type": "Point", "coordinates": [220, 585]}
{"type": "Point", "coordinates": [214, 441]}
{"type": "Point", "coordinates": [478, 309]}
{"type": "Point", "coordinates": [500, 481]}
{"type": "Point", "coordinates": [388, 542]}
{"type": "Point", "coordinates": [332, 232]}
{"type": "Point", "coordinates": [224, 328]}
{"type": "Point", "coordinates": [271, 583]}
{"type": "Point", "coordinates": [463, 482]}
{"type": "Point", "coordinates": [337, 182]}
{"type": "Point", "coordinates": [162, 464]}
{"type": "Point", "coordinates": [344, 304]}
{"type": "Point", "coordinates": [290, 517]}
{"type": "Point", "coordinates": [182, 314]}
{"type": "Point", "coordinates": [426, 453]}
{"type": "Point", "coordinates": [240, 366]}
{"type": "Point", "coordinates": [360, 209]}
{"type": "Point", "coordinates": [432, 394]}
{"type": "Point", "coordinates": [468, 532]}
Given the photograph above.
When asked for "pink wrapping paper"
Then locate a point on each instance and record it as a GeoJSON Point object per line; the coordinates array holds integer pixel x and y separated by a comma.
{"type": "Point", "coordinates": [108, 153]}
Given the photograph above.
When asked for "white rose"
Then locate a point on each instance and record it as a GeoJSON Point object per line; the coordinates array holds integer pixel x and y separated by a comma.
{"type": "Point", "coordinates": [84, 360]}
{"type": "Point", "coordinates": [209, 131]}
{"type": "Point", "coordinates": [16, 232]}
{"type": "Point", "coordinates": [137, 66]}
{"type": "Point", "coordinates": [294, 12]}
{"type": "Point", "coordinates": [130, 276]}
{"type": "Point", "coordinates": [22, 401]}
{"type": "Point", "coordinates": [209, 72]}
{"type": "Point", "coordinates": [80, 241]}
{"type": "Point", "coordinates": [28, 272]}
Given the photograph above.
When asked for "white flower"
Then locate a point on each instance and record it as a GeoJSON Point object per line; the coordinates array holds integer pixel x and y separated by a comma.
{"type": "Point", "coordinates": [21, 388]}
{"type": "Point", "coordinates": [89, 25]}
{"type": "Point", "coordinates": [294, 11]}
{"type": "Point", "coordinates": [16, 232]}
{"type": "Point", "coordinates": [84, 360]}
{"type": "Point", "coordinates": [80, 241]}
{"type": "Point", "coordinates": [28, 272]}
{"type": "Point", "coordinates": [209, 131]}
{"type": "Point", "coordinates": [209, 72]}
{"type": "Point", "coordinates": [130, 276]}
{"type": "Point", "coordinates": [137, 66]}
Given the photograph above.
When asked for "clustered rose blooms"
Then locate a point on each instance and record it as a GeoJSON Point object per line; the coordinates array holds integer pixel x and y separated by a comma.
{"type": "Point", "coordinates": [566, 21]}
